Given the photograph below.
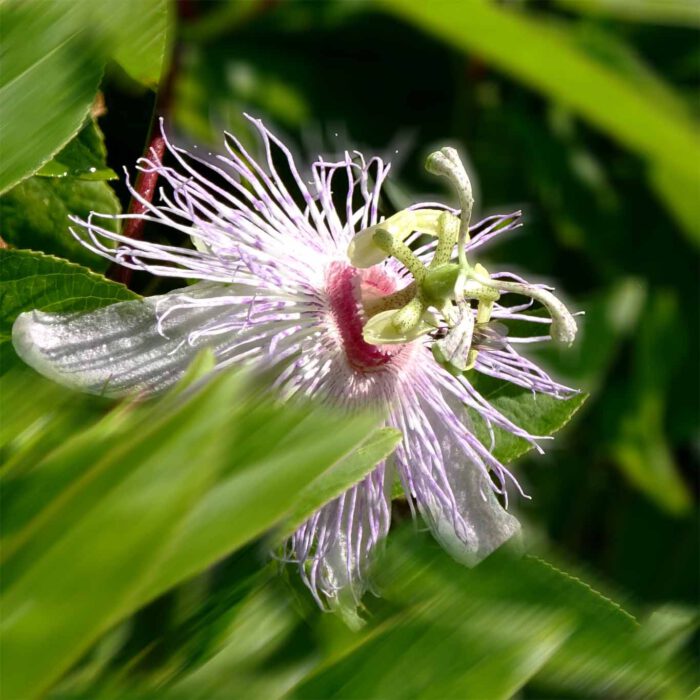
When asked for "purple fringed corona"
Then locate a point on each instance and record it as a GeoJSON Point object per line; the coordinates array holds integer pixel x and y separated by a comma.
{"type": "Point", "coordinates": [277, 288]}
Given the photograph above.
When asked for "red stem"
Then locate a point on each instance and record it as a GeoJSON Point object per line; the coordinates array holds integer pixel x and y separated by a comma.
{"type": "Point", "coordinates": [146, 186]}
{"type": "Point", "coordinates": [155, 150]}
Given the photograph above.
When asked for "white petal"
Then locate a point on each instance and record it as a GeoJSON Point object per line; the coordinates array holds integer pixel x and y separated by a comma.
{"type": "Point", "coordinates": [488, 524]}
{"type": "Point", "coordinates": [118, 349]}
{"type": "Point", "coordinates": [453, 494]}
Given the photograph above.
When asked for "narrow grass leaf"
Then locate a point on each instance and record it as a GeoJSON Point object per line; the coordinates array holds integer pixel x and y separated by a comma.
{"type": "Point", "coordinates": [556, 66]}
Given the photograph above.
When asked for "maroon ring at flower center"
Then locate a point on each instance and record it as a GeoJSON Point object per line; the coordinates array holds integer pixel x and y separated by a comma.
{"type": "Point", "coordinates": [345, 286]}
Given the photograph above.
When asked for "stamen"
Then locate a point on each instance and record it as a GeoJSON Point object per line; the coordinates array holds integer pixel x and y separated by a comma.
{"type": "Point", "coordinates": [394, 246]}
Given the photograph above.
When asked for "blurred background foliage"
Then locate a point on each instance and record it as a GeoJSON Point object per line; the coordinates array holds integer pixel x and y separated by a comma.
{"type": "Point", "coordinates": [138, 544]}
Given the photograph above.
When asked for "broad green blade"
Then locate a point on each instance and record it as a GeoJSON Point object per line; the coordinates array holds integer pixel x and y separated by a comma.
{"type": "Point", "coordinates": [50, 67]}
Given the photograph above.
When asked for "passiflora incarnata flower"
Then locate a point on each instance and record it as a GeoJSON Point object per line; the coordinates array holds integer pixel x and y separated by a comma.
{"type": "Point", "coordinates": [299, 274]}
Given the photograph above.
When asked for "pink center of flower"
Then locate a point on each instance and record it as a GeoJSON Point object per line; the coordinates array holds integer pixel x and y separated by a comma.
{"type": "Point", "coordinates": [346, 287]}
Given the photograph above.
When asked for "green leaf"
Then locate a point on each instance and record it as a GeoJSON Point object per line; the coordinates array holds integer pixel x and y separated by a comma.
{"type": "Point", "coordinates": [644, 456]}
{"type": "Point", "coordinates": [35, 215]}
{"type": "Point", "coordinates": [448, 631]}
{"type": "Point", "coordinates": [148, 498]}
{"type": "Point", "coordinates": [48, 497]}
{"type": "Point", "coordinates": [141, 34]}
{"type": "Point", "coordinates": [670, 627]}
{"type": "Point", "coordinates": [260, 625]}
{"type": "Point", "coordinates": [121, 544]}
{"type": "Point", "coordinates": [50, 68]}
{"type": "Point", "coordinates": [539, 414]}
{"type": "Point", "coordinates": [680, 13]}
{"type": "Point", "coordinates": [459, 658]}
{"type": "Point", "coordinates": [682, 197]}
{"type": "Point", "coordinates": [41, 416]}
{"type": "Point", "coordinates": [680, 194]}
{"type": "Point", "coordinates": [30, 280]}
{"type": "Point", "coordinates": [346, 473]}
{"type": "Point", "coordinates": [85, 157]}
{"type": "Point", "coordinates": [641, 446]}
{"type": "Point", "coordinates": [555, 65]}
{"type": "Point", "coordinates": [262, 494]}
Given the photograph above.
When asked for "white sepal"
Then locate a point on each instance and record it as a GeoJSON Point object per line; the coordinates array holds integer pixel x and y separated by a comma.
{"type": "Point", "coordinates": [119, 349]}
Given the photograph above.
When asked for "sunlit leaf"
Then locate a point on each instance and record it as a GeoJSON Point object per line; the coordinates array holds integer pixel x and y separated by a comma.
{"type": "Point", "coordinates": [260, 491]}
{"type": "Point", "coordinates": [538, 414]}
{"type": "Point", "coordinates": [472, 655]}
{"type": "Point", "coordinates": [679, 193]}
{"type": "Point", "coordinates": [40, 417]}
{"type": "Point", "coordinates": [347, 472]}
{"type": "Point", "coordinates": [50, 67]}
{"type": "Point", "coordinates": [670, 627]}
{"type": "Point", "coordinates": [140, 31]}
{"type": "Point", "coordinates": [121, 544]}
{"type": "Point", "coordinates": [484, 632]}
{"type": "Point", "coordinates": [150, 498]}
